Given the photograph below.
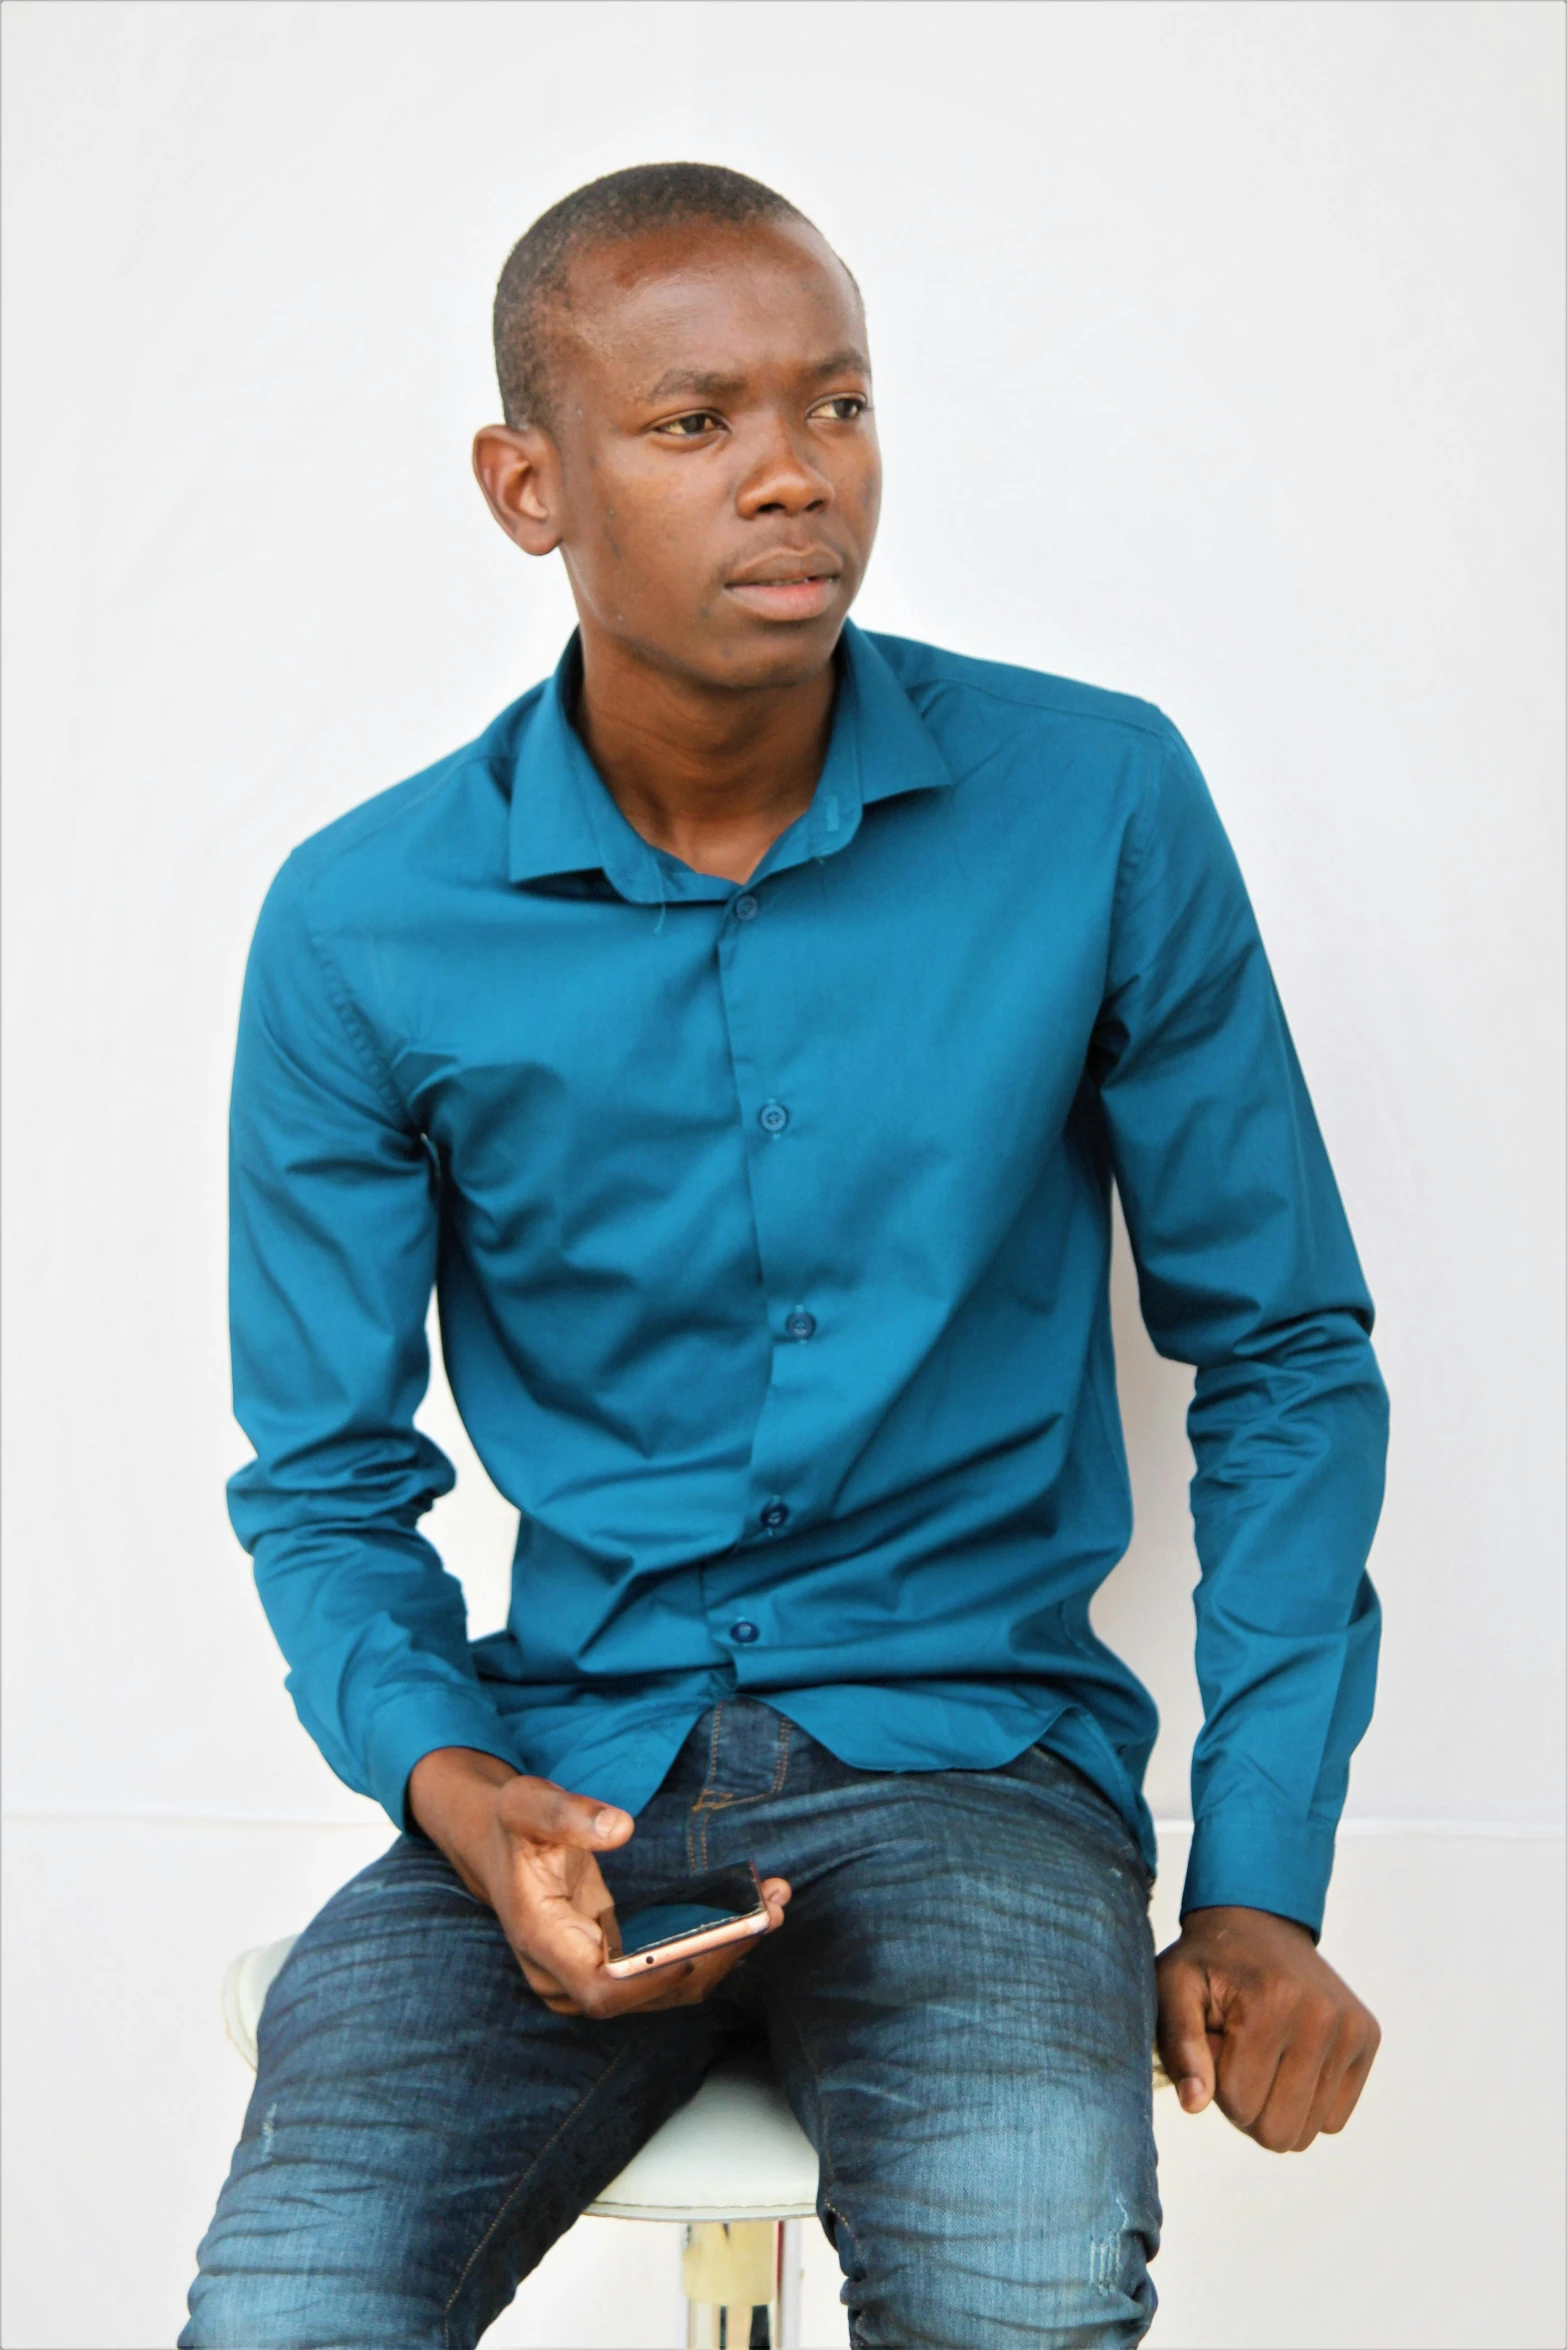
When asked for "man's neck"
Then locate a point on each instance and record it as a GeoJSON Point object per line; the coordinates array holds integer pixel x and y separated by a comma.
{"type": "Point", "coordinates": [712, 775]}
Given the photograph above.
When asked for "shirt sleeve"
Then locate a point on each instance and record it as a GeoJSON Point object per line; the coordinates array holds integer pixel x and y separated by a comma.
{"type": "Point", "coordinates": [1246, 1270]}
{"type": "Point", "coordinates": [333, 1235]}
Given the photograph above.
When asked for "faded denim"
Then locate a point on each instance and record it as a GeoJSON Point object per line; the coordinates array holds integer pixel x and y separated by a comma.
{"type": "Point", "coordinates": [960, 2006]}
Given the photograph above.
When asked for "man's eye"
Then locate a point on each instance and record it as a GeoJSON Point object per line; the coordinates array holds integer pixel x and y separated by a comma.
{"type": "Point", "coordinates": [843, 407]}
{"type": "Point", "coordinates": [694, 427]}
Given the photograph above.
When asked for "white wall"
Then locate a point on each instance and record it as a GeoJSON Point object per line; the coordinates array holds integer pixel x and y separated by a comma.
{"type": "Point", "coordinates": [1218, 358]}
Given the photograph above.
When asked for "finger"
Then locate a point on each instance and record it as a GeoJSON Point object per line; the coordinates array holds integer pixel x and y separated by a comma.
{"type": "Point", "coordinates": [553, 1890]}
{"type": "Point", "coordinates": [1353, 2079]}
{"type": "Point", "coordinates": [566, 1964]}
{"type": "Point", "coordinates": [1255, 2037]}
{"type": "Point", "coordinates": [1280, 2123]}
{"type": "Point", "coordinates": [561, 1949]}
{"type": "Point", "coordinates": [711, 1966]}
{"type": "Point", "coordinates": [539, 1979]}
{"type": "Point", "coordinates": [1184, 2044]}
{"type": "Point", "coordinates": [601, 1995]}
{"type": "Point", "coordinates": [547, 1814]}
{"type": "Point", "coordinates": [574, 1981]}
{"type": "Point", "coordinates": [682, 1983]}
{"type": "Point", "coordinates": [1329, 2079]}
{"type": "Point", "coordinates": [552, 1983]}
{"type": "Point", "coordinates": [694, 1978]}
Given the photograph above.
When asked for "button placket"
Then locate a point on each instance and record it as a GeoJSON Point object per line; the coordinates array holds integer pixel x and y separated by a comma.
{"type": "Point", "coordinates": [756, 980]}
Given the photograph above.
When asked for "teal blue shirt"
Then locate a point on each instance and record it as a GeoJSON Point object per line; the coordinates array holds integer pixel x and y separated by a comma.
{"type": "Point", "coordinates": [770, 1227]}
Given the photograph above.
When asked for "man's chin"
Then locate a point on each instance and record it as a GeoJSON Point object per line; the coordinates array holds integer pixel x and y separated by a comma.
{"type": "Point", "coordinates": [743, 655]}
{"type": "Point", "coordinates": [775, 654]}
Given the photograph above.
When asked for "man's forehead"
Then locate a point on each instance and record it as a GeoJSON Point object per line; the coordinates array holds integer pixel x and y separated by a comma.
{"type": "Point", "coordinates": [704, 301]}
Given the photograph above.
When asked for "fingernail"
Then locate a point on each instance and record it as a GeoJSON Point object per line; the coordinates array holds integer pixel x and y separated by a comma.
{"type": "Point", "coordinates": [1192, 2091]}
{"type": "Point", "coordinates": [606, 1823]}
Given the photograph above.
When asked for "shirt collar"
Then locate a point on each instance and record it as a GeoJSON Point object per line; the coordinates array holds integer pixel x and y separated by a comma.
{"type": "Point", "coordinates": [564, 820]}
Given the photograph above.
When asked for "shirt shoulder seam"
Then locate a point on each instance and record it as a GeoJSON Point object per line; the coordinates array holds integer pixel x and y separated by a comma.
{"type": "Point", "coordinates": [1138, 833]}
{"type": "Point", "coordinates": [1155, 727]}
{"type": "Point", "coordinates": [322, 852]}
{"type": "Point", "coordinates": [352, 1020]}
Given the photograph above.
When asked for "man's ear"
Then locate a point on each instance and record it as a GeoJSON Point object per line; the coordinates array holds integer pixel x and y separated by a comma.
{"type": "Point", "coordinates": [519, 473]}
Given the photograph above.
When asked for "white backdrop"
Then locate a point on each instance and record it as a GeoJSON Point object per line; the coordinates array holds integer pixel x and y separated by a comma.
{"type": "Point", "coordinates": [1219, 360]}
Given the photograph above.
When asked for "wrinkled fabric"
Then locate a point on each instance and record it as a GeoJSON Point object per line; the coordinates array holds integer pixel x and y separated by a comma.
{"type": "Point", "coordinates": [959, 2005]}
{"type": "Point", "coordinates": [770, 1227]}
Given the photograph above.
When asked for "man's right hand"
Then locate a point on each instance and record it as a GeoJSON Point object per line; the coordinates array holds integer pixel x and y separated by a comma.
{"type": "Point", "coordinates": [528, 1848]}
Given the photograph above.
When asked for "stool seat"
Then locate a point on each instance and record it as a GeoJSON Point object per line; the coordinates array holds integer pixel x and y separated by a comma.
{"type": "Point", "coordinates": [245, 1986]}
{"type": "Point", "coordinates": [734, 2152]}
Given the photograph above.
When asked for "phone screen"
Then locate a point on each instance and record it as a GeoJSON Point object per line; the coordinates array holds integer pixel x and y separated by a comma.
{"type": "Point", "coordinates": [712, 1900]}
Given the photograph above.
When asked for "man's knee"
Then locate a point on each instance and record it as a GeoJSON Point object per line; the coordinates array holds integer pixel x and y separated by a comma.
{"type": "Point", "coordinates": [311, 2271]}
{"type": "Point", "coordinates": [949, 2293]}
{"type": "Point", "coordinates": [276, 2309]}
{"type": "Point", "coordinates": [1038, 2237]}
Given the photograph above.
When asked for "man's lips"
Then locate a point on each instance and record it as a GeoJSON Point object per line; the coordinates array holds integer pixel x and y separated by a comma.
{"type": "Point", "coordinates": [788, 587]}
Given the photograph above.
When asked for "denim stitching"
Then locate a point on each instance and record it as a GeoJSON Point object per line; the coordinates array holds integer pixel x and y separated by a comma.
{"type": "Point", "coordinates": [721, 1800]}
{"type": "Point", "coordinates": [700, 1806]}
{"type": "Point", "coordinates": [712, 1752]}
{"type": "Point", "coordinates": [712, 1799]}
{"type": "Point", "coordinates": [513, 2192]}
{"type": "Point", "coordinates": [829, 2175]}
{"type": "Point", "coordinates": [827, 2181]}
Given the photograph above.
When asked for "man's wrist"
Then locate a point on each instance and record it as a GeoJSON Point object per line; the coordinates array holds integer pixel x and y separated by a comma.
{"type": "Point", "coordinates": [451, 1797]}
{"type": "Point", "coordinates": [1222, 1917]}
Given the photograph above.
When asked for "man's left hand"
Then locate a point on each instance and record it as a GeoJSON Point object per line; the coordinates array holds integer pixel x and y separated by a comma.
{"type": "Point", "coordinates": [1253, 2018]}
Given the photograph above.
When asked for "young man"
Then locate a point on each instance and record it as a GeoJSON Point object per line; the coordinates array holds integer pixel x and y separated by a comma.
{"type": "Point", "coordinates": [742, 1036]}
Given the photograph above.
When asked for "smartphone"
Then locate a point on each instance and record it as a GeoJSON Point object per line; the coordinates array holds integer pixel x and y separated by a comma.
{"type": "Point", "coordinates": [726, 1905]}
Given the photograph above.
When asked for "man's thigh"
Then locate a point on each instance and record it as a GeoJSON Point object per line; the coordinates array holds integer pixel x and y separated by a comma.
{"type": "Point", "coordinates": [422, 2127]}
{"type": "Point", "coordinates": [962, 2006]}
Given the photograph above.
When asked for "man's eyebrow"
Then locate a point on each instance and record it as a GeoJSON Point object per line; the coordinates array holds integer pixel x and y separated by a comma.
{"type": "Point", "coordinates": [704, 384]}
{"type": "Point", "coordinates": [844, 362]}
{"type": "Point", "coordinates": [696, 382]}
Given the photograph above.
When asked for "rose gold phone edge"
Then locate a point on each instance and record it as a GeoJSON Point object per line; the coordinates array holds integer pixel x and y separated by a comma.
{"type": "Point", "coordinates": [740, 1929]}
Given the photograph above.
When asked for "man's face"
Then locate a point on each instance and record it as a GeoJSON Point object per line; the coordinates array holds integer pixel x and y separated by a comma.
{"type": "Point", "coordinates": [719, 479]}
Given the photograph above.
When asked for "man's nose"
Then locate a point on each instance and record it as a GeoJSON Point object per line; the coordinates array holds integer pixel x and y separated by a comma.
{"type": "Point", "coordinates": [783, 478]}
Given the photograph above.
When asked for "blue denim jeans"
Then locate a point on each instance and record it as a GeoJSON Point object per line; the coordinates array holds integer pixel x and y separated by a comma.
{"type": "Point", "coordinates": [959, 2005]}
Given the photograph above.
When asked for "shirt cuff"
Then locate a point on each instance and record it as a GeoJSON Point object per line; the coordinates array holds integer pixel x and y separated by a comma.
{"type": "Point", "coordinates": [408, 1728]}
{"type": "Point", "coordinates": [1256, 1860]}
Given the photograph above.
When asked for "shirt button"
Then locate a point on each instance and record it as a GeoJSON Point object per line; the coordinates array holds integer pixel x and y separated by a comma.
{"type": "Point", "coordinates": [743, 1632]}
{"type": "Point", "coordinates": [746, 908]}
{"type": "Point", "coordinates": [775, 1514]}
{"type": "Point", "coordinates": [801, 1325]}
{"type": "Point", "coordinates": [772, 1117]}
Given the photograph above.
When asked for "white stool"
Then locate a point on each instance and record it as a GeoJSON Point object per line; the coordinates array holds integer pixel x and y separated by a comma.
{"type": "Point", "coordinates": [733, 2167]}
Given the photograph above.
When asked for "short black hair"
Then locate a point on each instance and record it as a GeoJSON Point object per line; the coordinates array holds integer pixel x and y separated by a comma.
{"type": "Point", "coordinates": [621, 204]}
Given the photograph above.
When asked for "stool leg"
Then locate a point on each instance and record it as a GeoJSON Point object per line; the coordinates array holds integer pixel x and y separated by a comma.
{"type": "Point", "coordinates": [791, 2283]}
{"type": "Point", "coordinates": [728, 2270]}
{"type": "Point", "coordinates": [701, 2326]}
